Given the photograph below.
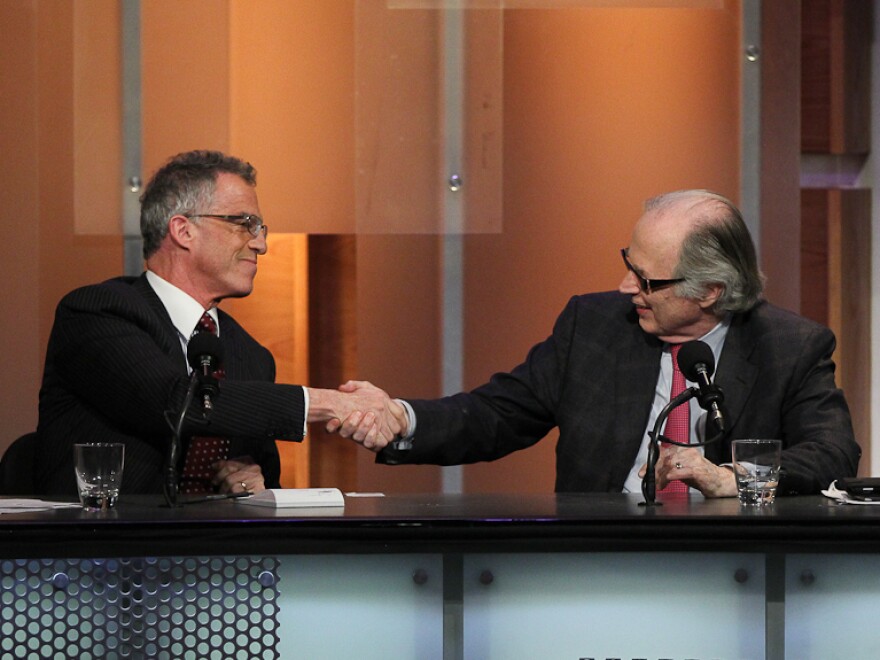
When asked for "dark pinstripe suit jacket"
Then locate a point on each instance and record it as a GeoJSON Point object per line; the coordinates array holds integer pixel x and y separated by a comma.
{"type": "Point", "coordinates": [594, 378]}
{"type": "Point", "coordinates": [114, 365]}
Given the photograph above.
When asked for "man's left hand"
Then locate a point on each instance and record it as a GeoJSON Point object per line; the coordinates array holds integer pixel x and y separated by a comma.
{"type": "Point", "coordinates": [687, 464]}
{"type": "Point", "coordinates": [238, 475]}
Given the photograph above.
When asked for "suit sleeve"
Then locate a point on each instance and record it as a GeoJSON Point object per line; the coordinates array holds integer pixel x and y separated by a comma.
{"type": "Point", "coordinates": [514, 410]}
{"type": "Point", "coordinates": [817, 431]}
{"type": "Point", "coordinates": [111, 357]}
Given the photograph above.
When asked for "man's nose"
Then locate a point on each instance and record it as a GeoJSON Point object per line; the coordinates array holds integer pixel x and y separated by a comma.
{"type": "Point", "coordinates": [259, 243]}
{"type": "Point", "coordinates": [628, 284]}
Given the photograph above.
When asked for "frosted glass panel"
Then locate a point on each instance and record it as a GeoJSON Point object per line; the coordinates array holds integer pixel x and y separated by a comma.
{"type": "Point", "coordinates": [428, 119]}
{"type": "Point", "coordinates": [365, 607]}
{"type": "Point", "coordinates": [657, 605]}
{"type": "Point", "coordinates": [831, 606]}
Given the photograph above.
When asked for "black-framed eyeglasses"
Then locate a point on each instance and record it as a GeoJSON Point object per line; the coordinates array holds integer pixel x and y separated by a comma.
{"type": "Point", "coordinates": [253, 223]}
{"type": "Point", "coordinates": [646, 285]}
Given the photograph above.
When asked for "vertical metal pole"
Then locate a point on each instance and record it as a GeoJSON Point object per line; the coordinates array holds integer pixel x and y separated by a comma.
{"type": "Point", "coordinates": [874, 183]}
{"type": "Point", "coordinates": [453, 219]}
{"type": "Point", "coordinates": [131, 136]}
{"type": "Point", "coordinates": [453, 606]}
{"type": "Point", "coordinates": [750, 120]}
{"type": "Point", "coordinates": [774, 612]}
{"type": "Point", "coordinates": [453, 300]}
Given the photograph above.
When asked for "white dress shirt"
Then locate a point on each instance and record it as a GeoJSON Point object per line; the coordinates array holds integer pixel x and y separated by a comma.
{"type": "Point", "coordinates": [185, 313]}
{"type": "Point", "coordinates": [715, 339]}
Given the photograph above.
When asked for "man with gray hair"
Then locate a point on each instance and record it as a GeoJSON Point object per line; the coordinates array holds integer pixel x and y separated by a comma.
{"type": "Point", "coordinates": [116, 365]}
{"type": "Point", "coordinates": [606, 372]}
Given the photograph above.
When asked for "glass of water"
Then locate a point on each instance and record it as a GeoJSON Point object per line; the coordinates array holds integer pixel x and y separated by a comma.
{"type": "Point", "coordinates": [99, 473]}
{"type": "Point", "coordinates": [756, 463]}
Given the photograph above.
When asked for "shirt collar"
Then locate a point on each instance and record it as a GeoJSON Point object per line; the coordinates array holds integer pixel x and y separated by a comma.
{"type": "Point", "coordinates": [183, 309]}
{"type": "Point", "coordinates": [715, 337]}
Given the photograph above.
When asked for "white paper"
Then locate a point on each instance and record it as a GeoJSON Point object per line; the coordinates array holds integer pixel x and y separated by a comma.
{"type": "Point", "coordinates": [18, 505]}
{"type": "Point", "coordinates": [282, 498]}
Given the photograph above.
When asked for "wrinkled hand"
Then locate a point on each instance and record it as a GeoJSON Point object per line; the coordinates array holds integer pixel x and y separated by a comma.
{"type": "Point", "coordinates": [361, 411]}
{"type": "Point", "coordinates": [687, 464]}
{"type": "Point", "coordinates": [238, 475]}
{"type": "Point", "coordinates": [373, 427]}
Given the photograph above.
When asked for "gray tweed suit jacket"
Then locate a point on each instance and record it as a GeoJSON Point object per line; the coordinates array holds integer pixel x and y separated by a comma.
{"type": "Point", "coordinates": [595, 376]}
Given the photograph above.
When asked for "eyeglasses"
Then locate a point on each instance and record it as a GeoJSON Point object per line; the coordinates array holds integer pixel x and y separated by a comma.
{"type": "Point", "coordinates": [646, 285]}
{"type": "Point", "coordinates": [253, 223]}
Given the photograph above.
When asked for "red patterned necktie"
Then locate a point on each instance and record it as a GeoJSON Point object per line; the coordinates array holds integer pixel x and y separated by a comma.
{"type": "Point", "coordinates": [203, 451]}
{"type": "Point", "coordinates": [678, 424]}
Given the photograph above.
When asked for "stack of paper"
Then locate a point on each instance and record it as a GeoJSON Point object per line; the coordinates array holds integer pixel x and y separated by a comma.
{"type": "Point", "coordinates": [281, 498]}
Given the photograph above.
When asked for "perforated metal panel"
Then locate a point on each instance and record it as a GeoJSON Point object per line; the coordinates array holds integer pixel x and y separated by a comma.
{"type": "Point", "coordinates": [178, 607]}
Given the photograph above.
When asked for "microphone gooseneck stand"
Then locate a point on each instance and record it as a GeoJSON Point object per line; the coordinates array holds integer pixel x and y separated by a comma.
{"type": "Point", "coordinates": [170, 484]}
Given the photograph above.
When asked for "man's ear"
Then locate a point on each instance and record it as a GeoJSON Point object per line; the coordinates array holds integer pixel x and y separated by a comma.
{"type": "Point", "coordinates": [180, 231]}
{"type": "Point", "coordinates": [713, 293]}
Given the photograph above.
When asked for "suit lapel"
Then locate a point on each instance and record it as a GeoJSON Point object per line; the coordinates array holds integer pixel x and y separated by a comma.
{"type": "Point", "coordinates": [736, 375]}
{"type": "Point", "coordinates": [231, 347]}
{"type": "Point", "coordinates": [166, 335]}
{"type": "Point", "coordinates": [638, 370]}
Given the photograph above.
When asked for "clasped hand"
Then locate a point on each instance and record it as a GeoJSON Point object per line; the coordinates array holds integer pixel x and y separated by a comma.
{"type": "Point", "coordinates": [361, 411]}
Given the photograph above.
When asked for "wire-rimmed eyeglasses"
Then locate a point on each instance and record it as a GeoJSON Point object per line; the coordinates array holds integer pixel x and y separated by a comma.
{"type": "Point", "coordinates": [253, 223]}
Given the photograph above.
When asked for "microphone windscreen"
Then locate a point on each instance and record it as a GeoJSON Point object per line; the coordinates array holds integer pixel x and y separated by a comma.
{"type": "Point", "coordinates": [201, 345]}
{"type": "Point", "coordinates": [693, 353]}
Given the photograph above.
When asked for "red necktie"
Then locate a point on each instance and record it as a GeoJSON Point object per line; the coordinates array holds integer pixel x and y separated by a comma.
{"type": "Point", "coordinates": [678, 424]}
{"type": "Point", "coordinates": [203, 451]}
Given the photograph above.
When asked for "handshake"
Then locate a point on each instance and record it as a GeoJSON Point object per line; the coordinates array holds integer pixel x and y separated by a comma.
{"type": "Point", "coordinates": [361, 411]}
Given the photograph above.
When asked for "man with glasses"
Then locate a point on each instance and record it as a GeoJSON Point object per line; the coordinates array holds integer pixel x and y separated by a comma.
{"type": "Point", "coordinates": [605, 373]}
{"type": "Point", "coordinates": [116, 367]}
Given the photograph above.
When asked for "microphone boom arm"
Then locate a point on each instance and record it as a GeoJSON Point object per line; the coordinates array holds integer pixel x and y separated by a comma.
{"type": "Point", "coordinates": [649, 481]}
{"type": "Point", "coordinates": [170, 485]}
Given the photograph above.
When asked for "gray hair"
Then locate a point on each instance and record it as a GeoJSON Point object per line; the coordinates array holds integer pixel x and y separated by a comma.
{"type": "Point", "coordinates": [719, 251]}
{"type": "Point", "coordinates": [184, 186]}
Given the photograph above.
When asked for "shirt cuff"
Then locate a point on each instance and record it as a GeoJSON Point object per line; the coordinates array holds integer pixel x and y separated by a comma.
{"type": "Point", "coordinates": [305, 411]}
{"type": "Point", "coordinates": [404, 442]}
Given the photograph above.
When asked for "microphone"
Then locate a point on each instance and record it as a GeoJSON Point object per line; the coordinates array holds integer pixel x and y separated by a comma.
{"type": "Point", "coordinates": [204, 352]}
{"type": "Point", "coordinates": [697, 363]}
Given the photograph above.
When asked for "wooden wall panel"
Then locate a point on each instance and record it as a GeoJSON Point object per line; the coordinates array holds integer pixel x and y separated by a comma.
{"type": "Point", "coordinates": [19, 207]}
{"type": "Point", "coordinates": [276, 315]}
{"type": "Point", "coordinates": [332, 349]}
{"type": "Point", "coordinates": [835, 80]}
{"type": "Point", "coordinates": [185, 78]}
{"type": "Point", "coordinates": [398, 339]}
{"type": "Point", "coordinates": [836, 222]}
{"type": "Point", "coordinates": [816, 76]}
{"type": "Point", "coordinates": [97, 117]}
{"type": "Point", "coordinates": [780, 151]}
{"type": "Point", "coordinates": [814, 255]}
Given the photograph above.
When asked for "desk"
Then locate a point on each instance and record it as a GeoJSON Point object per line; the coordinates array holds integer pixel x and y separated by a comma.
{"type": "Point", "coordinates": [454, 576]}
